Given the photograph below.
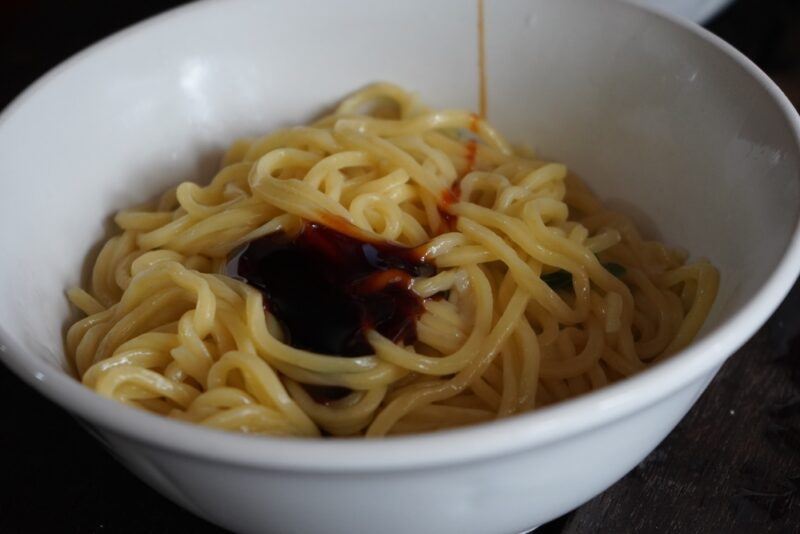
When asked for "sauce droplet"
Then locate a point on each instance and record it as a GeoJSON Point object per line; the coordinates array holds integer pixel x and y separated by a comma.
{"type": "Point", "coordinates": [328, 288]}
{"type": "Point", "coordinates": [449, 197]}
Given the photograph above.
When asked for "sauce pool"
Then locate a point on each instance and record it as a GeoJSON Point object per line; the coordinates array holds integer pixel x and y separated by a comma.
{"type": "Point", "coordinates": [327, 288]}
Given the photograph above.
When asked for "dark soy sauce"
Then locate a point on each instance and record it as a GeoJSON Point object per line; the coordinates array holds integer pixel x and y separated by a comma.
{"type": "Point", "coordinates": [328, 288]}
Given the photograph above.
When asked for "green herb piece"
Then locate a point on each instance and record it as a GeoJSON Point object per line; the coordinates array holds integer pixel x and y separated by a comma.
{"type": "Point", "coordinates": [563, 279]}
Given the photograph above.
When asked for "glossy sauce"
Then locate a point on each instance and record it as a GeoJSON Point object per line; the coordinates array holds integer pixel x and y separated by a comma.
{"type": "Point", "coordinates": [328, 288]}
{"type": "Point", "coordinates": [452, 195]}
{"type": "Point", "coordinates": [449, 196]}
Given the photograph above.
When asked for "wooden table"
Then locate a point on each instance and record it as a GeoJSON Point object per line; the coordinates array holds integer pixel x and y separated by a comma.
{"type": "Point", "coordinates": [732, 465]}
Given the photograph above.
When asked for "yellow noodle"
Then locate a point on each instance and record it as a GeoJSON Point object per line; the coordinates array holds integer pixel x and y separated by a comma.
{"type": "Point", "coordinates": [166, 330]}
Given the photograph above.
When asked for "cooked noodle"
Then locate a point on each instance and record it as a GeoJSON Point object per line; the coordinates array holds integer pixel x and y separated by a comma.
{"type": "Point", "coordinates": [165, 330]}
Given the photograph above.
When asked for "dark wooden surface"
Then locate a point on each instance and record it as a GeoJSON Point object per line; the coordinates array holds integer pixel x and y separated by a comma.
{"type": "Point", "coordinates": [732, 465]}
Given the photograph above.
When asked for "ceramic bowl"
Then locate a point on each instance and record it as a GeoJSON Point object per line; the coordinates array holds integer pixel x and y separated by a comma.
{"type": "Point", "coordinates": [663, 119]}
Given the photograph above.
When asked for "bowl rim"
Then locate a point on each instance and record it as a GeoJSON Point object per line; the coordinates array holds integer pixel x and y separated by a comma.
{"type": "Point", "coordinates": [478, 442]}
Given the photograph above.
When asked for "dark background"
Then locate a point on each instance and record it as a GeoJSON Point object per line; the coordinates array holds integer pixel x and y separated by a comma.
{"type": "Point", "coordinates": [732, 465]}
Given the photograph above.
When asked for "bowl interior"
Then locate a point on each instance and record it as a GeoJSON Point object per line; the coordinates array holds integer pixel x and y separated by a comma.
{"type": "Point", "coordinates": [670, 130]}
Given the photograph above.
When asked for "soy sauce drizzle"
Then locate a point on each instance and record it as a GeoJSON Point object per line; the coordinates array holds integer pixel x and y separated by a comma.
{"type": "Point", "coordinates": [448, 197]}
{"type": "Point", "coordinates": [452, 195]}
{"type": "Point", "coordinates": [328, 288]}
{"type": "Point", "coordinates": [482, 97]}
{"type": "Point", "coordinates": [472, 144]}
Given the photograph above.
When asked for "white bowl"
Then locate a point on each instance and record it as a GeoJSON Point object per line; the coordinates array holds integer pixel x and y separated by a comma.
{"type": "Point", "coordinates": [655, 113]}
